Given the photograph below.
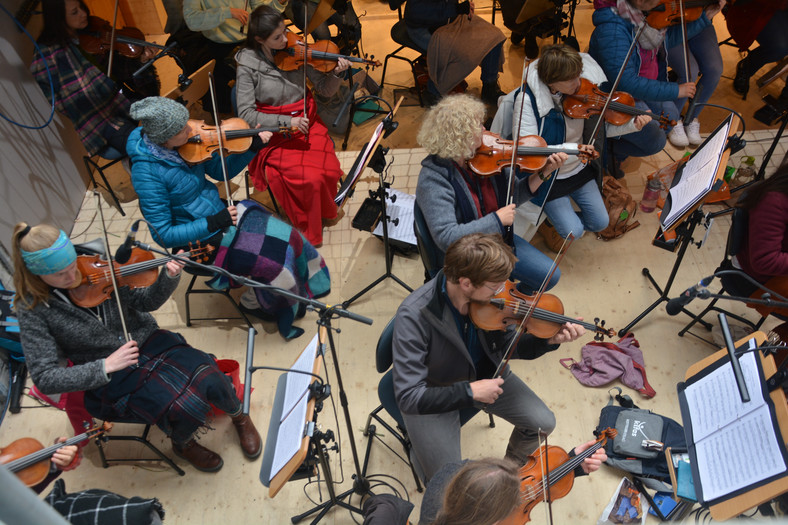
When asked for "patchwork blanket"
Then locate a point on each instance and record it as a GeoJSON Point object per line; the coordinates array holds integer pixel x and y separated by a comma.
{"type": "Point", "coordinates": [272, 252]}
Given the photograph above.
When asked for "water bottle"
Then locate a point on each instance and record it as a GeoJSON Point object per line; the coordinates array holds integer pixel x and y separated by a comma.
{"type": "Point", "coordinates": [650, 195]}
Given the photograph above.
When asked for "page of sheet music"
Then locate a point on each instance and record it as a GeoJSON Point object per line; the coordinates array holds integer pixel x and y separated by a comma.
{"type": "Point", "coordinates": [402, 209]}
{"type": "Point", "coordinates": [290, 435]}
{"type": "Point", "coordinates": [357, 173]}
{"type": "Point", "coordinates": [739, 455]}
{"type": "Point", "coordinates": [297, 384]}
{"type": "Point", "coordinates": [698, 175]}
{"type": "Point", "coordinates": [735, 443]}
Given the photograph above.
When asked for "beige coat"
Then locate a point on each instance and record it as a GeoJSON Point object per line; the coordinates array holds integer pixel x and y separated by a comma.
{"type": "Point", "coordinates": [258, 80]}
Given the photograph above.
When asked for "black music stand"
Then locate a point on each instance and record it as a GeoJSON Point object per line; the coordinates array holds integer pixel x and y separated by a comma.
{"type": "Point", "coordinates": [684, 227]}
{"type": "Point", "coordinates": [684, 238]}
{"type": "Point", "coordinates": [378, 164]}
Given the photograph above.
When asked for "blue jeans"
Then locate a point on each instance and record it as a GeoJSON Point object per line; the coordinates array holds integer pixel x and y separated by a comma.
{"type": "Point", "coordinates": [593, 215]}
{"type": "Point", "coordinates": [648, 141]}
{"type": "Point", "coordinates": [704, 56]}
{"type": "Point", "coordinates": [532, 267]}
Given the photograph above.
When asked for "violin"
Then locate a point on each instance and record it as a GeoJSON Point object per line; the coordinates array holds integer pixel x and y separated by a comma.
{"type": "Point", "coordinates": [96, 39]}
{"type": "Point", "coordinates": [532, 152]}
{"type": "Point", "coordinates": [536, 482]}
{"type": "Point", "coordinates": [510, 306]}
{"type": "Point", "coordinates": [236, 138]}
{"type": "Point", "coordinates": [668, 12]}
{"type": "Point", "coordinates": [139, 272]}
{"type": "Point", "coordinates": [28, 459]}
{"type": "Point", "coordinates": [322, 55]}
{"type": "Point", "coordinates": [589, 100]}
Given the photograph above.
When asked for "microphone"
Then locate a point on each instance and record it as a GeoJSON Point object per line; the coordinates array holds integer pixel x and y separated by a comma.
{"type": "Point", "coordinates": [346, 103]}
{"type": "Point", "coordinates": [123, 254]}
{"type": "Point", "coordinates": [675, 305]}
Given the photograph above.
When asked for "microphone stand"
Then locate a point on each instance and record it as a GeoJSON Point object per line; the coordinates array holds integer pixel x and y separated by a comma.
{"type": "Point", "coordinates": [361, 484]}
{"type": "Point", "coordinates": [765, 300]}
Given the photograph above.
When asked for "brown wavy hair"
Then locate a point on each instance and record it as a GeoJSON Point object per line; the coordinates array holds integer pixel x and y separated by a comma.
{"type": "Point", "coordinates": [480, 257]}
{"type": "Point", "coordinates": [30, 288]}
{"type": "Point", "coordinates": [482, 492]}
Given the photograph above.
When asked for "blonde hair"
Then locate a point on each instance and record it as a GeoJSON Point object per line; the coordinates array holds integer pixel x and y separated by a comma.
{"type": "Point", "coordinates": [480, 257]}
{"type": "Point", "coordinates": [482, 492]}
{"type": "Point", "coordinates": [30, 288]}
{"type": "Point", "coordinates": [449, 127]}
{"type": "Point", "coordinates": [557, 63]}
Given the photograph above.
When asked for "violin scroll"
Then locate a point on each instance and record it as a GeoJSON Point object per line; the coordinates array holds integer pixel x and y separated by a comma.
{"type": "Point", "coordinates": [601, 332]}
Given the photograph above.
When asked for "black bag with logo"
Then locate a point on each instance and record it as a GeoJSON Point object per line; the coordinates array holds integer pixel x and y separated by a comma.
{"type": "Point", "coordinates": [634, 426]}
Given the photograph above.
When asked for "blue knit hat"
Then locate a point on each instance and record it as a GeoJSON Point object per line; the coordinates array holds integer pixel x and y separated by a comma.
{"type": "Point", "coordinates": [162, 118]}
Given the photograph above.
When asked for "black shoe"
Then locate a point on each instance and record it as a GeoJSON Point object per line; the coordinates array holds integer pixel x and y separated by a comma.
{"type": "Point", "coordinates": [741, 82]}
{"type": "Point", "coordinates": [516, 37]}
{"type": "Point", "coordinates": [258, 312]}
{"type": "Point", "coordinates": [491, 91]}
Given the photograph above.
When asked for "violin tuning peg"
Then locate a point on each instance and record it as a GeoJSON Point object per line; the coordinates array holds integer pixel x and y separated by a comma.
{"type": "Point", "coordinates": [596, 320]}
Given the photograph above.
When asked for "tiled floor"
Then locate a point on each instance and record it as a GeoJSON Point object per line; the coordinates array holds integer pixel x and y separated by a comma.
{"type": "Point", "coordinates": [599, 279]}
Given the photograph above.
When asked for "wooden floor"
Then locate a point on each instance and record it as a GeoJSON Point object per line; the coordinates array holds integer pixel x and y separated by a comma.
{"type": "Point", "coordinates": [599, 279]}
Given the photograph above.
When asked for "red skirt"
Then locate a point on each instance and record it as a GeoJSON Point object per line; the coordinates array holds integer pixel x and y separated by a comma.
{"type": "Point", "coordinates": [303, 172]}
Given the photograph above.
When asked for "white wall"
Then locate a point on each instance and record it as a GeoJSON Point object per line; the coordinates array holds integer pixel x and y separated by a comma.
{"type": "Point", "coordinates": [42, 176]}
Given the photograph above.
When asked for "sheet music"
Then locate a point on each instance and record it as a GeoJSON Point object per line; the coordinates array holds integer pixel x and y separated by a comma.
{"type": "Point", "coordinates": [698, 175]}
{"type": "Point", "coordinates": [735, 443]}
{"type": "Point", "coordinates": [362, 163]}
{"type": "Point", "coordinates": [297, 384]}
{"type": "Point", "coordinates": [290, 435]}
{"type": "Point", "coordinates": [402, 209]}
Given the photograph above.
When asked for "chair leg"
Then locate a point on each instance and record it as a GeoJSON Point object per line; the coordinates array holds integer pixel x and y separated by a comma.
{"type": "Point", "coordinates": [143, 439]}
{"type": "Point", "coordinates": [190, 290]}
{"type": "Point", "coordinates": [370, 430]}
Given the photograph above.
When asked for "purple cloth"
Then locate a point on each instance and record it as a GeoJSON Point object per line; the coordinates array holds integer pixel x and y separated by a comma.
{"type": "Point", "coordinates": [603, 363]}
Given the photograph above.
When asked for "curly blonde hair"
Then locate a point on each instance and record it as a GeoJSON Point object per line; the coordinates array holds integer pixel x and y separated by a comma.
{"type": "Point", "coordinates": [451, 128]}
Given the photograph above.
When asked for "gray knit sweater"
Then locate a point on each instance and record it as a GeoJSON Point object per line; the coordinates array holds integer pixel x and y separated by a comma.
{"type": "Point", "coordinates": [57, 330]}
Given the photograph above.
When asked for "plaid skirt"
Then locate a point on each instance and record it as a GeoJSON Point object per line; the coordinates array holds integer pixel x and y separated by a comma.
{"type": "Point", "coordinates": [173, 387]}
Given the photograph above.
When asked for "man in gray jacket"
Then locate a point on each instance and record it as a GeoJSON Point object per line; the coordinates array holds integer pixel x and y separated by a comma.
{"type": "Point", "coordinates": [443, 363]}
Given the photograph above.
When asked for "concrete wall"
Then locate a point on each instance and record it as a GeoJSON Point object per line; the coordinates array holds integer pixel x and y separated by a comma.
{"type": "Point", "coordinates": [42, 176]}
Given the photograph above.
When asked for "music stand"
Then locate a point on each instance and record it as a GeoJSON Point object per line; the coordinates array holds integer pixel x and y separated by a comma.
{"type": "Point", "coordinates": [196, 89]}
{"type": "Point", "coordinates": [287, 442]}
{"type": "Point", "coordinates": [682, 217]}
{"type": "Point", "coordinates": [725, 505]}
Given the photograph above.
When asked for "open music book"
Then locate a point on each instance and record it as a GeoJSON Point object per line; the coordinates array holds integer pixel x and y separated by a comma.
{"type": "Point", "coordinates": [733, 446]}
{"type": "Point", "coordinates": [695, 178]}
{"type": "Point", "coordinates": [292, 420]}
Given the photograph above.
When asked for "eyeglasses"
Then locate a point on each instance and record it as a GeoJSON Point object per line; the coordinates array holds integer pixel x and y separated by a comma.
{"type": "Point", "coordinates": [496, 290]}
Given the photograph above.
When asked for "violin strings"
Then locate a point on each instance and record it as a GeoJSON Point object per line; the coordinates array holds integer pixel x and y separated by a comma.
{"type": "Point", "coordinates": [131, 269]}
{"type": "Point", "coordinates": [559, 472]}
{"type": "Point", "coordinates": [547, 315]}
{"type": "Point", "coordinates": [617, 106]}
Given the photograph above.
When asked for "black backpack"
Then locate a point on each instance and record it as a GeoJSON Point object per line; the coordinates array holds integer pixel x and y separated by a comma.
{"type": "Point", "coordinates": [634, 425]}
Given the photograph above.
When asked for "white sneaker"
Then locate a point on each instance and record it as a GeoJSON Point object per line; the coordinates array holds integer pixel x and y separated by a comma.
{"type": "Point", "coordinates": [677, 137]}
{"type": "Point", "coordinates": [693, 132]}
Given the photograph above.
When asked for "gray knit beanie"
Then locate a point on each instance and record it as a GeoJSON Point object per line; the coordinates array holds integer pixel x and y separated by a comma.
{"type": "Point", "coordinates": [162, 118]}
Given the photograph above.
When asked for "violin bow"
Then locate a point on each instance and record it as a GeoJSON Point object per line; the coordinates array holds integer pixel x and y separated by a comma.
{"type": "Point", "coordinates": [546, 480]}
{"type": "Point", "coordinates": [523, 86]}
{"type": "Point", "coordinates": [306, 62]}
{"type": "Point", "coordinates": [614, 87]}
{"type": "Point", "coordinates": [112, 47]}
{"type": "Point", "coordinates": [220, 140]}
{"type": "Point", "coordinates": [687, 72]}
{"type": "Point", "coordinates": [111, 263]}
{"type": "Point", "coordinates": [532, 308]}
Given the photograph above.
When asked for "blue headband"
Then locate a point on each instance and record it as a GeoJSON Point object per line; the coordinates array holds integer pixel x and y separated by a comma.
{"type": "Point", "coordinates": [53, 259]}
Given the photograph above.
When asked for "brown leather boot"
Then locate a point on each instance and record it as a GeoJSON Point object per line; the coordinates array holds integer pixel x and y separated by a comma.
{"type": "Point", "coordinates": [199, 456]}
{"type": "Point", "coordinates": [251, 443]}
